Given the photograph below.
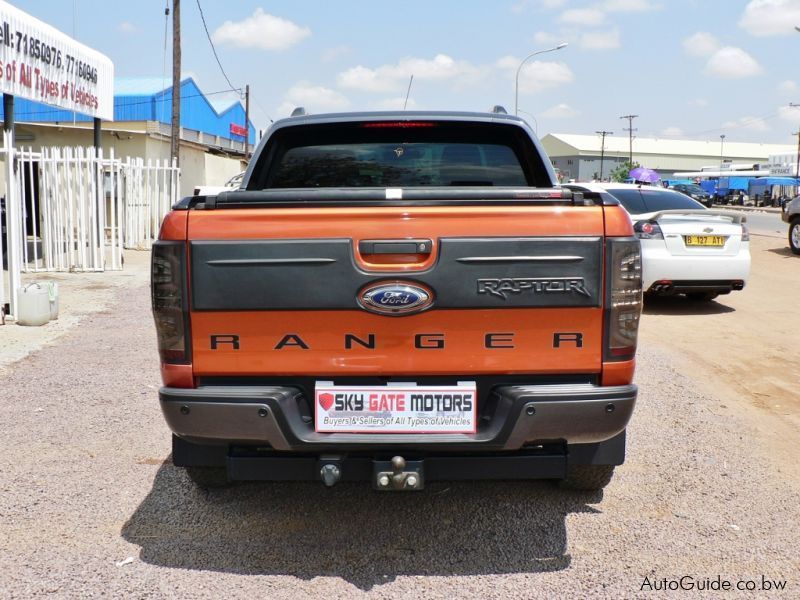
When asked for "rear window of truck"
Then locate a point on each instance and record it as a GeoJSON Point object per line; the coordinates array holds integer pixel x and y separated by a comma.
{"type": "Point", "coordinates": [420, 154]}
{"type": "Point", "coordinates": [637, 202]}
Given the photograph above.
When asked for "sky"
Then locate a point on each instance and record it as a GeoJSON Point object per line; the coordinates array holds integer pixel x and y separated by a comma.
{"type": "Point", "coordinates": [693, 69]}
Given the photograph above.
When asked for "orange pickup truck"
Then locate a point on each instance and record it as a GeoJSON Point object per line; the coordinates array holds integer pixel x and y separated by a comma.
{"type": "Point", "coordinates": [398, 298]}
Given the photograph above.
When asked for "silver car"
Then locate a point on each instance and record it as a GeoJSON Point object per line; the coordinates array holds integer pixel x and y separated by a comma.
{"type": "Point", "coordinates": [791, 214]}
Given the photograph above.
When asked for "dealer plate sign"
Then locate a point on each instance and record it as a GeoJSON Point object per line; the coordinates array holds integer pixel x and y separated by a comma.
{"type": "Point", "coordinates": [395, 409]}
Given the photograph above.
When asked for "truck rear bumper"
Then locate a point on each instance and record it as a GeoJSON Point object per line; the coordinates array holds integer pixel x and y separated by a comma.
{"type": "Point", "coordinates": [278, 417]}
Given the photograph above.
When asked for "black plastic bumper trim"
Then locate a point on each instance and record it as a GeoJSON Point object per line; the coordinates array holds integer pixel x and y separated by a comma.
{"type": "Point", "coordinates": [522, 415]}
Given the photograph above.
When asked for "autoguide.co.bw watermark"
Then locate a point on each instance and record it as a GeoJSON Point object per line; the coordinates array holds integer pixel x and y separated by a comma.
{"type": "Point", "coordinates": [711, 584]}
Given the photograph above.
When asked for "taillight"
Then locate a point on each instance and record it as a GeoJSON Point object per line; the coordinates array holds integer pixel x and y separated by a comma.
{"type": "Point", "coordinates": [397, 125]}
{"type": "Point", "coordinates": [647, 230]}
{"type": "Point", "coordinates": [170, 304]}
{"type": "Point", "coordinates": [623, 297]}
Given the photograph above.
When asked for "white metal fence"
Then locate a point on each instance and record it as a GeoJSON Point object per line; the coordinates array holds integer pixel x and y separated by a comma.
{"type": "Point", "coordinates": [72, 209]}
{"type": "Point", "coordinates": [150, 189]}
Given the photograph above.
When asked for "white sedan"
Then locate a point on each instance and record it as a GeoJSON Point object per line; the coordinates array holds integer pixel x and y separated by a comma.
{"type": "Point", "coordinates": [686, 248]}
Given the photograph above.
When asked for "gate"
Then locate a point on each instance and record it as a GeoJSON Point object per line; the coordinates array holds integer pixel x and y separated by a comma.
{"type": "Point", "coordinates": [72, 209]}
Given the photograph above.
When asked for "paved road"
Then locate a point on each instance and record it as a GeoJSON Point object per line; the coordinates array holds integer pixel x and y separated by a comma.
{"type": "Point", "coordinates": [764, 223]}
{"type": "Point", "coordinates": [86, 483]}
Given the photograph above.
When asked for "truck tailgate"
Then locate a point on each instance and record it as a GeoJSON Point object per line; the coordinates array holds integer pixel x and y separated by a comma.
{"type": "Point", "coordinates": [515, 290]}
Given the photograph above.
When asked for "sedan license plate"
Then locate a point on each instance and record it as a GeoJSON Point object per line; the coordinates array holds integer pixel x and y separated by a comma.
{"type": "Point", "coordinates": [395, 408]}
{"type": "Point", "coordinates": [705, 240]}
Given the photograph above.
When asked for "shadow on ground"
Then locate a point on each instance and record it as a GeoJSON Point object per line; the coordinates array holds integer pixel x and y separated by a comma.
{"type": "Point", "coordinates": [681, 305]}
{"type": "Point", "coordinates": [364, 537]}
{"type": "Point", "coordinates": [784, 251]}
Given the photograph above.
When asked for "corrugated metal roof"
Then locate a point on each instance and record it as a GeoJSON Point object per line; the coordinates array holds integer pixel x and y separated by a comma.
{"type": "Point", "coordinates": [148, 99]}
{"type": "Point", "coordinates": [642, 145]}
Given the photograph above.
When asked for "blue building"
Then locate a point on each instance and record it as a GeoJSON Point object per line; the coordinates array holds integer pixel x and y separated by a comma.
{"type": "Point", "coordinates": [212, 144]}
{"type": "Point", "coordinates": [213, 121]}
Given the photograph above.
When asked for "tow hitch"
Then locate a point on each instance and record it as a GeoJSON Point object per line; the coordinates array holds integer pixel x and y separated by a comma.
{"type": "Point", "coordinates": [398, 475]}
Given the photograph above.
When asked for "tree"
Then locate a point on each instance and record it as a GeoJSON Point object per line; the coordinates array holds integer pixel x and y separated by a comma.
{"type": "Point", "coordinates": [620, 174]}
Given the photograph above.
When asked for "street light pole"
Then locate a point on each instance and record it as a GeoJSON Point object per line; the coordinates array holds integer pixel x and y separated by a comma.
{"type": "Point", "coordinates": [535, 122]}
{"type": "Point", "coordinates": [721, 146]}
{"type": "Point", "coordinates": [519, 68]}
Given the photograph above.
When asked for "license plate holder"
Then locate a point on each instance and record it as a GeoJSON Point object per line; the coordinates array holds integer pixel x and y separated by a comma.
{"type": "Point", "coordinates": [395, 409]}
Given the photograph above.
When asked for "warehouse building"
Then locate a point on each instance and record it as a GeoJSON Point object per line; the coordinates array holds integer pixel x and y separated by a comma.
{"type": "Point", "coordinates": [578, 156]}
{"type": "Point", "coordinates": [212, 132]}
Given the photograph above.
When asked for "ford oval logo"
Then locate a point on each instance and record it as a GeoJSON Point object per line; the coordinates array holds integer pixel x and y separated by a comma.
{"type": "Point", "coordinates": [395, 298]}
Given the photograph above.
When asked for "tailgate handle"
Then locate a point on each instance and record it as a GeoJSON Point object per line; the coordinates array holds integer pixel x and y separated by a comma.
{"type": "Point", "coordinates": [395, 246]}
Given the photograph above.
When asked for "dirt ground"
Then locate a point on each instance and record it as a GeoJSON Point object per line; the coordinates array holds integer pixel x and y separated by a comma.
{"type": "Point", "coordinates": [80, 295]}
{"type": "Point", "coordinates": [742, 345]}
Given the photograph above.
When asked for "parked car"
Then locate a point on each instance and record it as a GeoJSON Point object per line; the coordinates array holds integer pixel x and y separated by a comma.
{"type": "Point", "coordinates": [212, 190]}
{"type": "Point", "coordinates": [686, 248]}
{"type": "Point", "coordinates": [790, 213]}
{"type": "Point", "coordinates": [695, 192]}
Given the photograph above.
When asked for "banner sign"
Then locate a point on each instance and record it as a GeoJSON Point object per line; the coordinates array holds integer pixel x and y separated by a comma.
{"type": "Point", "coordinates": [238, 130]}
{"type": "Point", "coordinates": [40, 63]}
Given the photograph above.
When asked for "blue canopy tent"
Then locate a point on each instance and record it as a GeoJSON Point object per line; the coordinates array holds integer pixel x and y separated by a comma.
{"type": "Point", "coordinates": [771, 191]}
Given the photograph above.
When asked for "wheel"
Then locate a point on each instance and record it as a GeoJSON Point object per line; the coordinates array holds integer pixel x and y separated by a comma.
{"type": "Point", "coordinates": [587, 477]}
{"type": "Point", "coordinates": [794, 236]}
{"type": "Point", "coordinates": [702, 296]}
{"type": "Point", "coordinates": [207, 478]}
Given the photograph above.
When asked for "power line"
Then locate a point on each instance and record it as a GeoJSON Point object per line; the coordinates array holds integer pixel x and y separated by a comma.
{"type": "Point", "coordinates": [121, 103]}
{"type": "Point", "coordinates": [213, 49]}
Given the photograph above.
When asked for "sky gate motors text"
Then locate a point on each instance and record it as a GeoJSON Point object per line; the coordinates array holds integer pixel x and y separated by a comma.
{"type": "Point", "coordinates": [403, 401]}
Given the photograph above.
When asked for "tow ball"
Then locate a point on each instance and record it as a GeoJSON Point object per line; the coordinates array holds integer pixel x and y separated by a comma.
{"type": "Point", "coordinates": [403, 477]}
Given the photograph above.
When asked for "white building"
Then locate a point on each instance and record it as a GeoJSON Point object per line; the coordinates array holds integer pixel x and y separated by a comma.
{"type": "Point", "coordinates": [578, 156]}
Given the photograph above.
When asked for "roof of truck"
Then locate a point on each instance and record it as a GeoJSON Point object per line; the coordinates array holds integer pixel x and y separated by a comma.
{"type": "Point", "coordinates": [404, 115]}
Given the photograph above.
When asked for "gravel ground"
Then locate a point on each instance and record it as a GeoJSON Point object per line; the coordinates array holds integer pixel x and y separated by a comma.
{"type": "Point", "coordinates": [91, 506]}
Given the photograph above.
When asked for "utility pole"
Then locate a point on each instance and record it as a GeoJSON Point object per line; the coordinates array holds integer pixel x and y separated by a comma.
{"type": "Point", "coordinates": [603, 135]}
{"type": "Point", "coordinates": [174, 143]}
{"type": "Point", "coordinates": [247, 121]}
{"type": "Point", "coordinates": [630, 131]}
{"type": "Point", "coordinates": [797, 168]}
{"type": "Point", "coordinates": [721, 154]}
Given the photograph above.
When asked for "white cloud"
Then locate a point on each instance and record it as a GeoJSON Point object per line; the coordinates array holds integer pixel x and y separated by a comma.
{"type": "Point", "coordinates": [789, 113]}
{"type": "Point", "coordinates": [770, 17]}
{"type": "Point", "coordinates": [672, 132]}
{"type": "Point", "coordinates": [730, 62]}
{"type": "Point", "coordinates": [600, 40]}
{"type": "Point", "coordinates": [747, 123]}
{"type": "Point", "coordinates": [698, 102]}
{"type": "Point", "coordinates": [540, 75]}
{"type": "Point", "coordinates": [545, 38]}
{"type": "Point", "coordinates": [589, 17]}
{"type": "Point", "coordinates": [701, 44]}
{"type": "Point", "coordinates": [261, 30]}
{"type": "Point", "coordinates": [561, 111]}
{"type": "Point", "coordinates": [788, 86]}
{"type": "Point", "coordinates": [389, 78]}
{"type": "Point", "coordinates": [335, 53]}
{"type": "Point", "coordinates": [127, 27]}
{"type": "Point", "coordinates": [314, 98]}
{"type": "Point", "coordinates": [629, 5]}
